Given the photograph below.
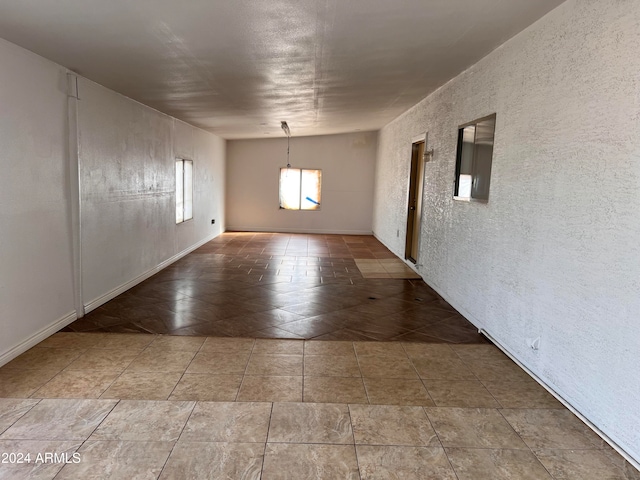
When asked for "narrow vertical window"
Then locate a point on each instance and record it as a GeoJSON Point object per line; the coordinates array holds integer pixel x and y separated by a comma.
{"type": "Point", "coordinates": [300, 189]}
{"type": "Point", "coordinates": [188, 190]}
{"type": "Point", "coordinates": [184, 190]}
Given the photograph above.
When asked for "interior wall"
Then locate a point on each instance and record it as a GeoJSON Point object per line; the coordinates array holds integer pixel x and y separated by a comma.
{"type": "Point", "coordinates": [36, 273]}
{"type": "Point", "coordinates": [127, 177]}
{"type": "Point", "coordinates": [127, 196]}
{"type": "Point", "coordinates": [555, 252]}
{"type": "Point", "coordinates": [348, 168]}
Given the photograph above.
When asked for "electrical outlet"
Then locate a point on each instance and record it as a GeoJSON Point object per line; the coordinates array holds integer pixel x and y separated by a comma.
{"type": "Point", "coordinates": [398, 233]}
{"type": "Point", "coordinates": [213, 220]}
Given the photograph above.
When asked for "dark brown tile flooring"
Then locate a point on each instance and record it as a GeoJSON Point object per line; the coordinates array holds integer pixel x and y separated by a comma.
{"type": "Point", "coordinates": [267, 285]}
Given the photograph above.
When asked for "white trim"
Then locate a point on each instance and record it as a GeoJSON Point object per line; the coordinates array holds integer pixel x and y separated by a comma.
{"type": "Point", "coordinates": [419, 199]}
{"type": "Point", "coordinates": [537, 379]}
{"type": "Point", "coordinates": [49, 330]}
{"type": "Point", "coordinates": [36, 338]}
{"type": "Point", "coordinates": [420, 138]}
{"type": "Point", "coordinates": [101, 300]}
{"type": "Point", "coordinates": [559, 397]}
{"type": "Point", "coordinates": [75, 199]}
{"type": "Point", "coordinates": [231, 228]}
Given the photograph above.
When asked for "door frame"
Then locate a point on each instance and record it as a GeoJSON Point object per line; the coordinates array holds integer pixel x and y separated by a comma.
{"type": "Point", "coordinates": [413, 186]}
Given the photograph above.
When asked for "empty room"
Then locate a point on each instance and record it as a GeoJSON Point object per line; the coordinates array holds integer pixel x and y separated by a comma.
{"type": "Point", "coordinates": [320, 239]}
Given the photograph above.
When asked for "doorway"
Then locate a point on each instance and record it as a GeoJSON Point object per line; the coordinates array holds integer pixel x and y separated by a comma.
{"type": "Point", "coordinates": [414, 214]}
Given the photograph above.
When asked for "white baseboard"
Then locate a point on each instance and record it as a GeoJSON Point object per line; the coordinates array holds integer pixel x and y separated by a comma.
{"type": "Point", "coordinates": [67, 319]}
{"type": "Point", "coordinates": [101, 300]}
{"type": "Point", "coordinates": [607, 438]}
{"type": "Point", "coordinates": [232, 228]}
{"type": "Point", "coordinates": [474, 321]}
{"type": "Point", "coordinates": [385, 244]}
{"type": "Point", "coordinates": [36, 338]}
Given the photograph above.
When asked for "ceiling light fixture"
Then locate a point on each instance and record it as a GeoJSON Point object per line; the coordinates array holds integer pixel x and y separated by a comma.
{"type": "Point", "coordinates": [287, 132]}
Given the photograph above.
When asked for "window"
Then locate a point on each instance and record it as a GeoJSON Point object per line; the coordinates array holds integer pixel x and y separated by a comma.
{"type": "Point", "coordinates": [300, 188]}
{"type": "Point", "coordinates": [473, 162]}
{"type": "Point", "coordinates": [184, 190]}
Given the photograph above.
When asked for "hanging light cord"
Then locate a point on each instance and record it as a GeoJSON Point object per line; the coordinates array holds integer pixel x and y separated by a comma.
{"type": "Point", "coordinates": [287, 132]}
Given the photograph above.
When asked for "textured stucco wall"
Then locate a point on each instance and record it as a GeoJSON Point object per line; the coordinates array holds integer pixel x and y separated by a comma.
{"type": "Point", "coordinates": [348, 167]}
{"type": "Point", "coordinates": [556, 251]}
{"type": "Point", "coordinates": [127, 187]}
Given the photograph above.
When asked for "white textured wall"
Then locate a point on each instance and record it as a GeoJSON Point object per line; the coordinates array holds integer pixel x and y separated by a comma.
{"type": "Point", "coordinates": [35, 230]}
{"type": "Point", "coordinates": [127, 178]}
{"type": "Point", "coordinates": [556, 251]}
{"type": "Point", "coordinates": [348, 167]}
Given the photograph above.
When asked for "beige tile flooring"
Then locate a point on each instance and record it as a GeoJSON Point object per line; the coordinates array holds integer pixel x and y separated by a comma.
{"type": "Point", "coordinates": [384, 268]}
{"type": "Point", "coordinates": [153, 406]}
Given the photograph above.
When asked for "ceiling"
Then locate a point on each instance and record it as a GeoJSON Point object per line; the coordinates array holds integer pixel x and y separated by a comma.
{"type": "Point", "coordinates": [239, 67]}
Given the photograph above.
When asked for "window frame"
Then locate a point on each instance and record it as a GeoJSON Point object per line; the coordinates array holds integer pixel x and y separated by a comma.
{"type": "Point", "coordinates": [300, 209]}
{"type": "Point", "coordinates": [474, 162]}
{"type": "Point", "coordinates": [183, 190]}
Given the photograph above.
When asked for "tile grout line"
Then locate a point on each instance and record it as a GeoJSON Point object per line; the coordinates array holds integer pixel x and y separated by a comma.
{"type": "Point", "coordinates": [185, 370]}
{"type": "Point", "coordinates": [418, 373]}
{"type": "Point", "coordinates": [244, 375]}
{"type": "Point", "coordinates": [353, 434]}
{"type": "Point", "coordinates": [28, 410]}
{"type": "Point", "coordinates": [364, 384]}
{"type": "Point", "coordinates": [82, 443]}
{"type": "Point", "coordinates": [304, 355]}
{"type": "Point", "coordinates": [530, 449]}
{"type": "Point", "coordinates": [175, 443]}
{"type": "Point", "coordinates": [266, 440]}
{"type": "Point", "coordinates": [444, 449]}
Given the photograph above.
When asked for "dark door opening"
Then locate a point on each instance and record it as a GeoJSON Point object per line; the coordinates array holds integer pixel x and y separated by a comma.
{"type": "Point", "coordinates": [414, 213]}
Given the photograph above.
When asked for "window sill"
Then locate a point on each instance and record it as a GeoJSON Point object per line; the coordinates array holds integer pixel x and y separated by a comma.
{"type": "Point", "coordinates": [470, 200]}
{"type": "Point", "coordinates": [298, 210]}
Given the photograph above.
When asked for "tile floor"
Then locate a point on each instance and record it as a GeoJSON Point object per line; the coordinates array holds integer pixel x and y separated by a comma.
{"type": "Point", "coordinates": [384, 268]}
{"type": "Point", "coordinates": [262, 285]}
{"type": "Point", "coordinates": [179, 407]}
{"type": "Point", "coordinates": [286, 359]}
